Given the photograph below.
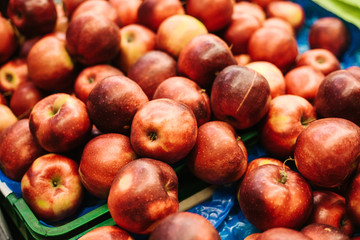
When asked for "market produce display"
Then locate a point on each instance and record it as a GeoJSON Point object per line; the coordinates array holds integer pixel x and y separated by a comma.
{"type": "Point", "coordinates": [115, 114]}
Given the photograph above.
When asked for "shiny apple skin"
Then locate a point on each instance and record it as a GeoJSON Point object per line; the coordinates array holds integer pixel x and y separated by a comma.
{"type": "Point", "coordinates": [321, 231]}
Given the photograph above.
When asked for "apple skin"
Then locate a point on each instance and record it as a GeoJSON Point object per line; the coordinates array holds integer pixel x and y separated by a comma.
{"type": "Point", "coordinates": [252, 236]}
{"type": "Point", "coordinates": [7, 117]}
{"type": "Point", "coordinates": [70, 6]}
{"type": "Point", "coordinates": [268, 199]}
{"type": "Point", "coordinates": [240, 96]}
{"type": "Point", "coordinates": [242, 59]}
{"type": "Point", "coordinates": [338, 96]}
{"type": "Point", "coordinates": [107, 233]}
{"type": "Point", "coordinates": [203, 57]}
{"type": "Point", "coordinates": [188, 92]}
{"type": "Point", "coordinates": [151, 69]}
{"type": "Point", "coordinates": [327, 151]}
{"type": "Point", "coordinates": [352, 199]}
{"type": "Point", "coordinates": [33, 17]}
{"type": "Point", "coordinates": [262, 3]}
{"type": "Point", "coordinates": [249, 8]}
{"type": "Point", "coordinates": [281, 233]}
{"type": "Point", "coordinates": [354, 70]}
{"type": "Point", "coordinates": [9, 41]}
{"type": "Point", "coordinates": [164, 129]}
{"type": "Point", "coordinates": [320, 231]}
{"type": "Point", "coordinates": [279, 23]}
{"type": "Point", "coordinates": [51, 187]}
{"type": "Point", "coordinates": [257, 162]}
{"type": "Point", "coordinates": [12, 74]}
{"type": "Point", "coordinates": [3, 99]}
{"type": "Point", "coordinates": [185, 225]}
{"type": "Point", "coordinates": [329, 33]}
{"type": "Point", "coordinates": [126, 10]}
{"type": "Point", "coordinates": [18, 149]}
{"type": "Point", "coordinates": [25, 47]}
{"type": "Point", "coordinates": [101, 159]}
{"type": "Point", "coordinates": [113, 102]}
{"type": "Point", "coordinates": [90, 76]}
{"type": "Point", "coordinates": [60, 122]}
{"type": "Point", "coordinates": [144, 192]}
{"type": "Point", "coordinates": [85, 39]}
{"type": "Point", "coordinates": [330, 208]}
{"type": "Point", "coordinates": [290, 11]}
{"type": "Point", "coordinates": [219, 155]}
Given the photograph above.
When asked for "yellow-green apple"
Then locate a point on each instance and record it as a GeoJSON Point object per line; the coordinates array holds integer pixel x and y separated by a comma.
{"type": "Point", "coordinates": [219, 155]}
{"type": "Point", "coordinates": [279, 23]}
{"type": "Point", "coordinates": [272, 74]}
{"type": "Point", "coordinates": [9, 42]}
{"type": "Point", "coordinates": [330, 33]}
{"type": "Point", "coordinates": [7, 117]}
{"type": "Point", "coordinates": [92, 39]}
{"type": "Point", "coordinates": [321, 59]}
{"type": "Point", "coordinates": [107, 233]}
{"type": "Point", "coordinates": [241, 7]}
{"type": "Point", "coordinates": [240, 96]}
{"type": "Point", "coordinates": [151, 13]}
{"type": "Point", "coordinates": [321, 231]}
{"type": "Point", "coordinates": [287, 117]}
{"type": "Point", "coordinates": [203, 57]}
{"type": "Point", "coordinates": [327, 151]}
{"type": "Point", "coordinates": [218, 13]}
{"type": "Point", "coordinates": [18, 150]}
{"type": "Point", "coordinates": [60, 122]}
{"type": "Point", "coordinates": [50, 65]}
{"type": "Point", "coordinates": [101, 159]}
{"type": "Point", "coordinates": [338, 96]}
{"type": "Point", "coordinates": [281, 233]}
{"type": "Point", "coordinates": [164, 129]}
{"type": "Point", "coordinates": [176, 31]}
{"type": "Point", "coordinates": [330, 208]}
{"type": "Point", "coordinates": [274, 45]}
{"type": "Point", "coordinates": [271, 196]}
{"type": "Point", "coordinates": [33, 17]}
{"type": "Point", "coordinates": [135, 41]}
{"type": "Point", "coordinates": [12, 74]}
{"type": "Point", "coordinates": [185, 225]}
{"type": "Point", "coordinates": [51, 187]}
{"type": "Point", "coordinates": [352, 199]}
{"type": "Point", "coordinates": [90, 76]}
{"type": "Point", "coordinates": [188, 92]}
{"type": "Point", "coordinates": [303, 81]}
{"type": "Point", "coordinates": [144, 192]}
{"type": "Point", "coordinates": [113, 102]}
{"type": "Point", "coordinates": [70, 6]}
{"type": "Point", "coordinates": [127, 10]}
{"type": "Point", "coordinates": [151, 69]}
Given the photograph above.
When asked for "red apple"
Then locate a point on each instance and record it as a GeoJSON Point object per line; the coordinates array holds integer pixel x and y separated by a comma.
{"type": "Point", "coordinates": [240, 96]}
{"type": "Point", "coordinates": [271, 196]}
{"type": "Point", "coordinates": [262, 3]}
{"type": "Point", "coordinates": [279, 23]}
{"type": "Point", "coordinates": [241, 7]}
{"type": "Point", "coordinates": [320, 231]}
{"type": "Point", "coordinates": [188, 92]}
{"type": "Point", "coordinates": [3, 99]}
{"type": "Point", "coordinates": [219, 155]}
{"type": "Point", "coordinates": [281, 233]}
{"type": "Point", "coordinates": [70, 6]}
{"type": "Point", "coordinates": [354, 70]}
{"type": "Point", "coordinates": [292, 12]}
{"type": "Point", "coordinates": [252, 236]}
{"type": "Point", "coordinates": [60, 122]}
{"type": "Point", "coordinates": [27, 45]}
{"type": "Point", "coordinates": [352, 199]}
{"type": "Point", "coordinates": [257, 162]}
{"type": "Point", "coordinates": [51, 187]}
{"type": "Point", "coordinates": [151, 69]}
{"type": "Point", "coordinates": [12, 74]}
{"type": "Point", "coordinates": [113, 102]}
{"type": "Point", "coordinates": [327, 151]}
{"type": "Point", "coordinates": [144, 192]}
{"type": "Point", "coordinates": [127, 10]}
{"type": "Point", "coordinates": [101, 159]}
{"type": "Point", "coordinates": [106, 233]}
{"type": "Point", "coordinates": [242, 59]}
{"type": "Point", "coordinates": [185, 225]}
{"type": "Point", "coordinates": [9, 41]}
{"type": "Point", "coordinates": [7, 117]}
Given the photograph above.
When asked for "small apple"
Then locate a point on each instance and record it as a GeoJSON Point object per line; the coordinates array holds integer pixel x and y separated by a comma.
{"type": "Point", "coordinates": [352, 199]}
{"type": "Point", "coordinates": [51, 187]}
{"type": "Point", "coordinates": [9, 41]}
{"type": "Point", "coordinates": [12, 74]}
{"type": "Point", "coordinates": [281, 233]}
{"type": "Point", "coordinates": [7, 117]}
{"type": "Point", "coordinates": [241, 7]}
{"type": "Point", "coordinates": [279, 23]}
{"type": "Point", "coordinates": [127, 10]}
{"type": "Point", "coordinates": [144, 192]}
{"type": "Point", "coordinates": [292, 12]}
{"type": "Point", "coordinates": [106, 232]}
{"type": "Point", "coordinates": [320, 231]}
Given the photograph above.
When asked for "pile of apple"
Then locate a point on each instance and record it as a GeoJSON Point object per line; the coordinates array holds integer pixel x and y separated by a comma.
{"type": "Point", "coordinates": [108, 96]}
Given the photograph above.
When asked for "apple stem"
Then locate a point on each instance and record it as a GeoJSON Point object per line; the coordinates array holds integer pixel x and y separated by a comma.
{"type": "Point", "coordinates": [202, 90]}
{"type": "Point", "coordinates": [307, 121]}
{"type": "Point", "coordinates": [283, 175]}
{"type": "Point", "coordinates": [153, 136]}
{"type": "Point", "coordinates": [91, 79]}
{"type": "Point", "coordinates": [9, 77]}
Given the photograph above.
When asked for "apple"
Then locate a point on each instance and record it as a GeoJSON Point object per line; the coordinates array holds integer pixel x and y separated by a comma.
{"type": "Point", "coordinates": [219, 156]}
{"type": "Point", "coordinates": [354, 70]}
{"type": "Point", "coordinates": [60, 122]}
{"type": "Point", "coordinates": [281, 233]}
{"type": "Point", "coordinates": [26, 45]}
{"type": "Point", "coordinates": [241, 7]}
{"type": "Point", "coordinates": [252, 236]}
{"type": "Point", "coordinates": [321, 59]}
{"type": "Point", "coordinates": [240, 96]}
{"type": "Point", "coordinates": [3, 99]}
{"type": "Point", "coordinates": [338, 96]}
{"type": "Point", "coordinates": [31, 17]}
{"type": "Point", "coordinates": [151, 13]}
{"type": "Point", "coordinates": [272, 74]}
{"type": "Point", "coordinates": [292, 12]}
{"type": "Point", "coordinates": [106, 232]}
{"type": "Point", "coordinates": [127, 10]}
{"type": "Point", "coordinates": [257, 162]}
{"type": "Point", "coordinates": [330, 33]}
{"type": "Point", "coordinates": [203, 57]}
{"type": "Point", "coordinates": [90, 76]}
{"type": "Point", "coordinates": [135, 41]}
{"type": "Point", "coordinates": [70, 6]}
{"type": "Point", "coordinates": [92, 39]}
{"type": "Point", "coordinates": [303, 81]}
{"type": "Point", "coordinates": [262, 3]}
{"type": "Point", "coordinates": [279, 23]}
{"type": "Point", "coordinates": [9, 42]}
{"type": "Point", "coordinates": [327, 151]}
{"type": "Point", "coordinates": [217, 15]}
{"type": "Point", "coordinates": [151, 69]}
{"type": "Point", "coordinates": [144, 192]}
{"type": "Point", "coordinates": [18, 150]}
{"type": "Point", "coordinates": [242, 59]}
{"type": "Point", "coordinates": [101, 159]}
{"type": "Point", "coordinates": [274, 45]}
{"type": "Point", "coordinates": [163, 129]}
{"type": "Point", "coordinates": [184, 225]}
{"type": "Point", "coordinates": [12, 74]}
{"type": "Point", "coordinates": [271, 196]}
{"type": "Point", "coordinates": [320, 231]}
{"type": "Point", "coordinates": [62, 71]}
{"type": "Point", "coordinates": [7, 117]}
{"type": "Point", "coordinates": [51, 187]}
{"type": "Point", "coordinates": [176, 31]}
{"type": "Point", "coordinates": [113, 102]}
{"type": "Point", "coordinates": [352, 199]}
{"type": "Point", "coordinates": [188, 92]}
